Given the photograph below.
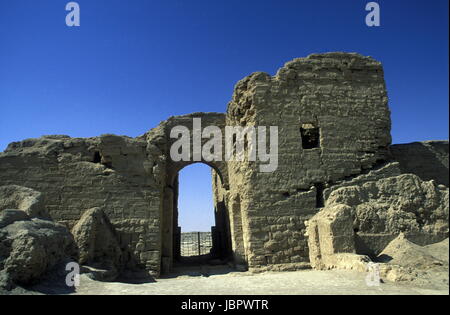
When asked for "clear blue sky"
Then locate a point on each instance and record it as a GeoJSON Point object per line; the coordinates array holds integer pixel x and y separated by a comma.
{"type": "Point", "coordinates": [134, 63]}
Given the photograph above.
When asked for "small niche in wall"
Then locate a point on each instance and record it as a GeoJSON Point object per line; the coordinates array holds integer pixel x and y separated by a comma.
{"type": "Point", "coordinates": [320, 202]}
{"type": "Point", "coordinates": [310, 134]}
{"type": "Point", "coordinates": [97, 157]}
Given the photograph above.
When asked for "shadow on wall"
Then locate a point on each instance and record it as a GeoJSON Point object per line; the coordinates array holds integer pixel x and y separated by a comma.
{"type": "Point", "coordinates": [428, 160]}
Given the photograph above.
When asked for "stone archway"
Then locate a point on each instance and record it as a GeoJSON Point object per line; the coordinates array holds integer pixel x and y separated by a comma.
{"type": "Point", "coordinates": [221, 235]}
{"type": "Point", "coordinates": [170, 247]}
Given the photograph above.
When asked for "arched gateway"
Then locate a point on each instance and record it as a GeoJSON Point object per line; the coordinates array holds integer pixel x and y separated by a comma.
{"type": "Point", "coordinates": [222, 247]}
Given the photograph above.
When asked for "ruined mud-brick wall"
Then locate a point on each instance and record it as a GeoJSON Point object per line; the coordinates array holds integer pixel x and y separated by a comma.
{"type": "Point", "coordinates": [408, 194]}
{"type": "Point", "coordinates": [334, 123]}
{"type": "Point", "coordinates": [160, 138]}
{"type": "Point", "coordinates": [132, 179]}
{"type": "Point", "coordinates": [334, 133]}
{"type": "Point", "coordinates": [383, 208]}
{"type": "Point", "coordinates": [118, 174]}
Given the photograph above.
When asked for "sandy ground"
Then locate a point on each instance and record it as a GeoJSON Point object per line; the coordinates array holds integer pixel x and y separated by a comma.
{"type": "Point", "coordinates": [308, 282]}
{"type": "Point", "coordinates": [425, 272]}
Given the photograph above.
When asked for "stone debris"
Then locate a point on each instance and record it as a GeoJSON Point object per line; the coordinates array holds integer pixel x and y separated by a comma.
{"type": "Point", "coordinates": [401, 204]}
{"type": "Point", "coordinates": [331, 240]}
{"type": "Point", "coordinates": [29, 248]}
{"type": "Point", "coordinates": [22, 198]}
{"type": "Point", "coordinates": [99, 248]}
{"type": "Point", "coordinates": [377, 219]}
{"type": "Point", "coordinates": [404, 261]}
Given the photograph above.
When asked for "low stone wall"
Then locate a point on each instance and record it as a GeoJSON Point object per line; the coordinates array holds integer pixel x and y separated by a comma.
{"type": "Point", "coordinates": [364, 219]}
{"type": "Point", "coordinates": [114, 173]}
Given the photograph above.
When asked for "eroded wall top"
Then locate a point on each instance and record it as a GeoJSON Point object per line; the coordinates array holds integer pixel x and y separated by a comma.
{"type": "Point", "coordinates": [332, 113]}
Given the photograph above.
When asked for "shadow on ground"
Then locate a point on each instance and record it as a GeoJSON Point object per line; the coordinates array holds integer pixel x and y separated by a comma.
{"type": "Point", "coordinates": [199, 266]}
